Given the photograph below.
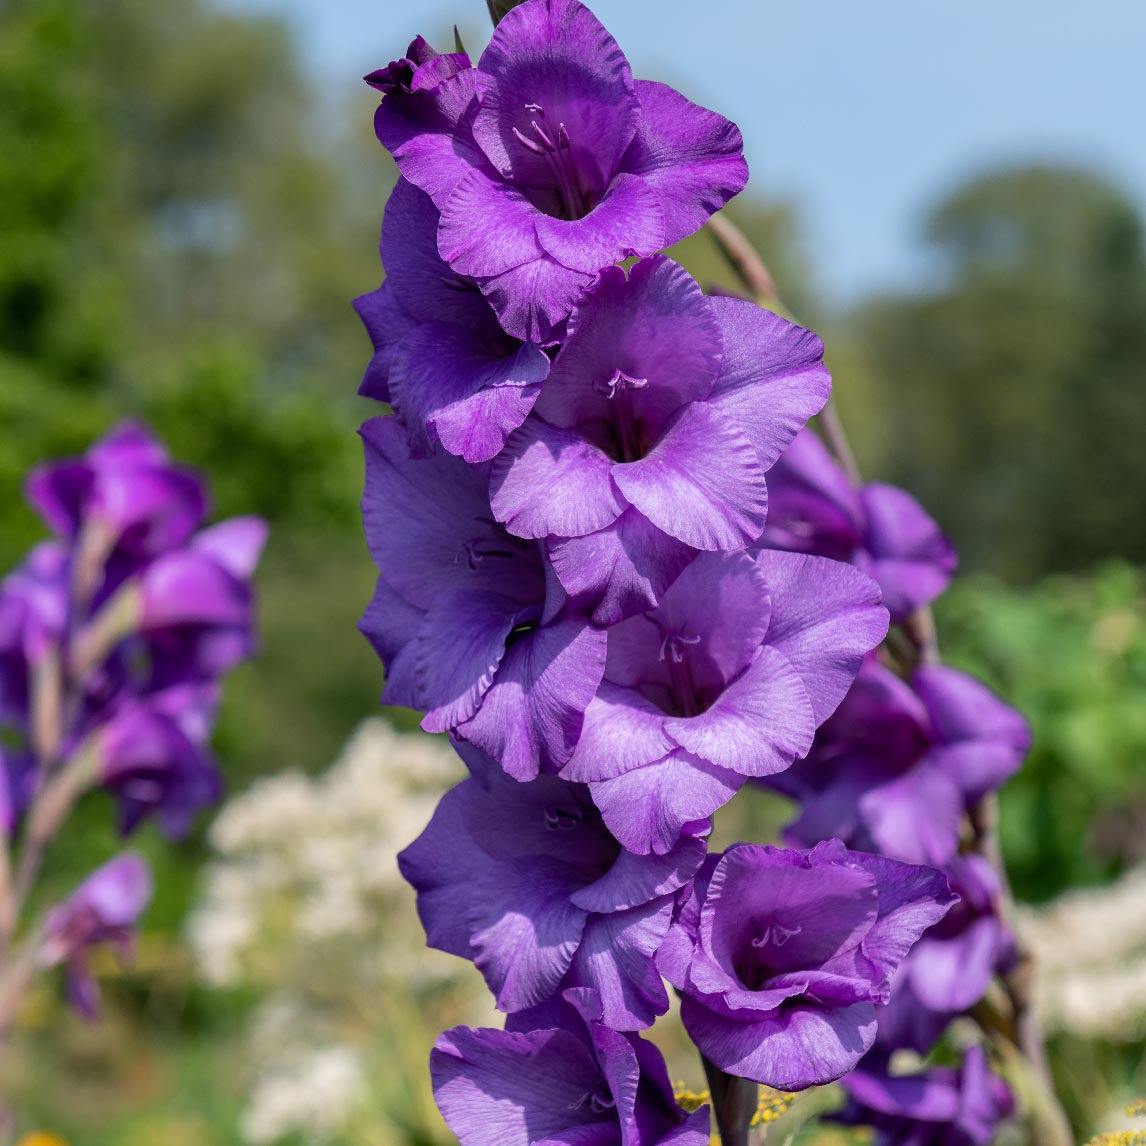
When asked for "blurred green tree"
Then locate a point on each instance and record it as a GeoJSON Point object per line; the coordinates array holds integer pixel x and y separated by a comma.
{"type": "Point", "coordinates": [1012, 395]}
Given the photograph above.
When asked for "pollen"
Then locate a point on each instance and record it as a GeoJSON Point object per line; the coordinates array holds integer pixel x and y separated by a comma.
{"type": "Point", "coordinates": [772, 1104]}
{"type": "Point", "coordinates": [690, 1100]}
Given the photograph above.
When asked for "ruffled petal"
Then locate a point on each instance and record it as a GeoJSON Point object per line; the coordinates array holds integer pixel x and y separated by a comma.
{"type": "Point", "coordinates": [622, 730]}
{"type": "Point", "coordinates": [532, 715]}
{"type": "Point", "coordinates": [692, 157]}
{"type": "Point", "coordinates": [826, 616]}
{"type": "Point", "coordinates": [772, 378]}
{"type": "Point", "coordinates": [649, 809]}
{"type": "Point", "coordinates": [800, 1046]}
{"type": "Point", "coordinates": [552, 481]}
{"type": "Point", "coordinates": [556, 66]}
{"type": "Point", "coordinates": [701, 483]}
{"type": "Point", "coordinates": [759, 725]}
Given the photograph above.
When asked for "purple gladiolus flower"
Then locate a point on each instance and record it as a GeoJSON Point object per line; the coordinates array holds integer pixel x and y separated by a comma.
{"type": "Point", "coordinates": [104, 909]}
{"type": "Point", "coordinates": [549, 162]}
{"type": "Point", "coordinates": [575, 1081]}
{"type": "Point", "coordinates": [782, 955]}
{"type": "Point", "coordinates": [153, 759]}
{"type": "Point", "coordinates": [814, 508]}
{"type": "Point", "coordinates": [940, 1107]}
{"type": "Point", "coordinates": [725, 680]}
{"type": "Point", "coordinates": [442, 361]}
{"type": "Point", "coordinates": [662, 413]}
{"type": "Point", "coordinates": [125, 487]}
{"type": "Point", "coordinates": [526, 880]}
{"type": "Point", "coordinates": [899, 764]}
{"type": "Point", "coordinates": [520, 667]}
{"type": "Point", "coordinates": [949, 969]}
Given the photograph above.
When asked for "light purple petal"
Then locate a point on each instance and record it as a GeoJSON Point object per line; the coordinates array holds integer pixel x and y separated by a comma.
{"type": "Point", "coordinates": [474, 626]}
{"type": "Point", "coordinates": [236, 544]}
{"type": "Point", "coordinates": [622, 730]}
{"type": "Point", "coordinates": [621, 570]}
{"type": "Point", "coordinates": [826, 617]}
{"type": "Point", "coordinates": [800, 1046]}
{"type": "Point", "coordinates": [635, 880]}
{"type": "Point", "coordinates": [772, 378]}
{"type": "Point", "coordinates": [649, 808]}
{"type": "Point", "coordinates": [488, 227]}
{"type": "Point", "coordinates": [534, 299]}
{"type": "Point", "coordinates": [916, 817]}
{"type": "Point", "coordinates": [616, 958]}
{"type": "Point", "coordinates": [701, 483]}
{"type": "Point", "coordinates": [509, 1088]}
{"type": "Point", "coordinates": [532, 715]}
{"type": "Point", "coordinates": [692, 157]}
{"type": "Point", "coordinates": [524, 930]}
{"type": "Point", "coordinates": [758, 725]}
{"type": "Point", "coordinates": [628, 221]}
{"type": "Point", "coordinates": [552, 481]}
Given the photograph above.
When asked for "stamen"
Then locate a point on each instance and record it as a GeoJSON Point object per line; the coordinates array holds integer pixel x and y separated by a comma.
{"type": "Point", "coordinates": [564, 819]}
{"type": "Point", "coordinates": [620, 383]}
{"type": "Point", "coordinates": [528, 143]}
{"type": "Point", "coordinates": [672, 646]}
{"type": "Point", "coordinates": [776, 934]}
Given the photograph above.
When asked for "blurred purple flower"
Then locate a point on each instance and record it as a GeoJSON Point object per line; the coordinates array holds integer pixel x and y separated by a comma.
{"type": "Point", "coordinates": [549, 163]}
{"type": "Point", "coordinates": [814, 508]}
{"type": "Point", "coordinates": [465, 618]}
{"type": "Point", "coordinates": [949, 969]}
{"type": "Point", "coordinates": [526, 881]}
{"type": "Point", "coordinates": [782, 955]}
{"type": "Point", "coordinates": [725, 680]}
{"type": "Point", "coordinates": [574, 1081]}
{"type": "Point", "coordinates": [104, 909]}
{"type": "Point", "coordinates": [441, 358]}
{"type": "Point", "coordinates": [940, 1107]}
{"type": "Point", "coordinates": [899, 764]}
{"type": "Point", "coordinates": [127, 488]}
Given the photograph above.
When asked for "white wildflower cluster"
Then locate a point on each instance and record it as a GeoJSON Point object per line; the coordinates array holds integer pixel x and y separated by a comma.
{"type": "Point", "coordinates": [309, 1096]}
{"type": "Point", "coordinates": [1090, 959]}
{"type": "Point", "coordinates": [305, 903]}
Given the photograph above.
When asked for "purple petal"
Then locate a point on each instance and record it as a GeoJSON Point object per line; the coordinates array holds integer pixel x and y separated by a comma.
{"type": "Point", "coordinates": [627, 221]}
{"type": "Point", "coordinates": [692, 157]}
{"type": "Point", "coordinates": [488, 227]}
{"type": "Point", "coordinates": [826, 617]}
{"type": "Point", "coordinates": [508, 1088]}
{"type": "Point", "coordinates": [552, 481]}
{"type": "Point", "coordinates": [952, 975]}
{"type": "Point", "coordinates": [470, 395]}
{"type": "Point", "coordinates": [190, 587]}
{"type": "Point", "coordinates": [634, 880]}
{"type": "Point", "coordinates": [909, 555]}
{"type": "Point", "coordinates": [622, 730]}
{"type": "Point", "coordinates": [616, 958]}
{"type": "Point", "coordinates": [649, 808]}
{"type": "Point", "coordinates": [236, 544]}
{"type": "Point", "coordinates": [429, 134]}
{"type": "Point", "coordinates": [621, 570]}
{"type": "Point", "coordinates": [655, 326]}
{"type": "Point", "coordinates": [916, 817]}
{"type": "Point", "coordinates": [701, 483]}
{"type": "Point", "coordinates": [534, 299]}
{"type": "Point", "coordinates": [532, 716]}
{"type": "Point", "coordinates": [474, 626]}
{"type": "Point", "coordinates": [555, 65]}
{"type": "Point", "coordinates": [391, 624]}
{"type": "Point", "coordinates": [524, 930]}
{"type": "Point", "coordinates": [798, 1047]}
{"type": "Point", "coordinates": [386, 323]}
{"type": "Point", "coordinates": [772, 378]}
{"type": "Point", "coordinates": [758, 725]}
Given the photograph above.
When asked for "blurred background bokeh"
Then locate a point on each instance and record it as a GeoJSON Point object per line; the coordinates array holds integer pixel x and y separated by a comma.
{"type": "Point", "coordinates": [190, 195]}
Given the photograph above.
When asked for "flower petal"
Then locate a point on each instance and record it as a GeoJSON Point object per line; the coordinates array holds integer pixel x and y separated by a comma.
{"type": "Point", "coordinates": [692, 157]}
{"type": "Point", "coordinates": [551, 481]}
{"type": "Point", "coordinates": [772, 378]}
{"type": "Point", "coordinates": [532, 715]}
{"type": "Point", "coordinates": [701, 483]}
{"type": "Point", "coordinates": [758, 725]}
{"type": "Point", "coordinates": [622, 730]}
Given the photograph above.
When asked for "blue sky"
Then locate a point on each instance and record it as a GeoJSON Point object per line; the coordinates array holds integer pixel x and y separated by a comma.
{"type": "Point", "coordinates": [861, 114]}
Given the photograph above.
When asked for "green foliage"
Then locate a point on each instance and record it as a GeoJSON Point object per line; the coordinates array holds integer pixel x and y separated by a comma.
{"type": "Point", "coordinates": [1070, 654]}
